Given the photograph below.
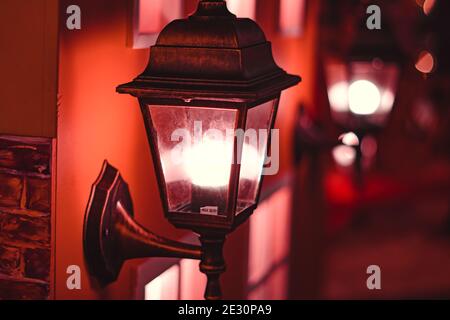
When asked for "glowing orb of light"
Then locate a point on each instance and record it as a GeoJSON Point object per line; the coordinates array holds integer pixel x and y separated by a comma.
{"type": "Point", "coordinates": [208, 164]}
{"type": "Point", "coordinates": [363, 97]}
{"type": "Point", "coordinates": [349, 139]}
{"type": "Point", "coordinates": [344, 155]}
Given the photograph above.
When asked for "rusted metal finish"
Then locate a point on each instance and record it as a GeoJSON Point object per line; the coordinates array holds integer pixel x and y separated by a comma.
{"type": "Point", "coordinates": [111, 235]}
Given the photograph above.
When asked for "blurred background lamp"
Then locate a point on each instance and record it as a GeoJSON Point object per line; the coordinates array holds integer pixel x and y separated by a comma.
{"type": "Point", "coordinates": [362, 82]}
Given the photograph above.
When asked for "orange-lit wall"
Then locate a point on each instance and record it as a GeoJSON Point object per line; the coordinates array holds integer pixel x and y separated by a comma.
{"type": "Point", "coordinates": [28, 67]}
{"type": "Point", "coordinates": [297, 55]}
{"type": "Point", "coordinates": [95, 123]}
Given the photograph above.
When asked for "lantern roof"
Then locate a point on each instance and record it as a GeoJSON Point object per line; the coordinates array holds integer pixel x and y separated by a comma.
{"type": "Point", "coordinates": [376, 43]}
{"type": "Point", "coordinates": [211, 55]}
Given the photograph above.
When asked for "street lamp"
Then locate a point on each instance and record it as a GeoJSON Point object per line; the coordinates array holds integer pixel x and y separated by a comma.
{"type": "Point", "coordinates": [362, 87]}
{"type": "Point", "coordinates": [209, 97]}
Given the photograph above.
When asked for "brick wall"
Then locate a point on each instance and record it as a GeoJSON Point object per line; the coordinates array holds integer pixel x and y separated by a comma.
{"type": "Point", "coordinates": [25, 196]}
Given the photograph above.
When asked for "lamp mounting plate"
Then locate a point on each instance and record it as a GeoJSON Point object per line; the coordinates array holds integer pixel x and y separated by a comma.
{"type": "Point", "coordinates": [100, 236]}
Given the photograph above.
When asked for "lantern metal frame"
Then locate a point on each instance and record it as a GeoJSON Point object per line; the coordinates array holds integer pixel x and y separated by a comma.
{"type": "Point", "coordinates": [211, 59]}
{"type": "Point", "coordinates": [199, 223]}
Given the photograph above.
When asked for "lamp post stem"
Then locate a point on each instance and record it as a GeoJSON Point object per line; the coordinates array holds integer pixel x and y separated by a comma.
{"type": "Point", "coordinates": [212, 264]}
{"type": "Point", "coordinates": [359, 163]}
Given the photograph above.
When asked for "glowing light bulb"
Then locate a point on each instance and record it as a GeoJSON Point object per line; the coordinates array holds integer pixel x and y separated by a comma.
{"type": "Point", "coordinates": [364, 97]}
{"type": "Point", "coordinates": [208, 163]}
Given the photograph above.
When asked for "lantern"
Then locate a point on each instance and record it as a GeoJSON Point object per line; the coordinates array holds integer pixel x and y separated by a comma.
{"type": "Point", "coordinates": [208, 97]}
{"type": "Point", "coordinates": [362, 88]}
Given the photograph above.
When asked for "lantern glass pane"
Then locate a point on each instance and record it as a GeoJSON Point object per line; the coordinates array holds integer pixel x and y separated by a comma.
{"type": "Point", "coordinates": [254, 143]}
{"type": "Point", "coordinates": [195, 149]}
{"type": "Point", "coordinates": [337, 84]}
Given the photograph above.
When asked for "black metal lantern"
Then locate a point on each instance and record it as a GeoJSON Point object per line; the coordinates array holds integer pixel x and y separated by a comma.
{"type": "Point", "coordinates": [211, 79]}
{"type": "Point", "coordinates": [362, 87]}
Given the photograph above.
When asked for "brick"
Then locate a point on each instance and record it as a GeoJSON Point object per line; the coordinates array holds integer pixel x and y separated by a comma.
{"type": "Point", "coordinates": [13, 289]}
{"type": "Point", "coordinates": [24, 212]}
{"type": "Point", "coordinates": [31, 155]}
{"type": "Point", "coordinates": [11, 187]}
{"type": "Point", "coordinates": [38, 194]}
{"type": "Point", "coordinates": [9, 260]}
{"type": "Point", "coordinates": [25, 230]}
{"type": "Point", "coordinates": [7, 158]}
{"type": "Point", "coordinates": [37, 263]}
